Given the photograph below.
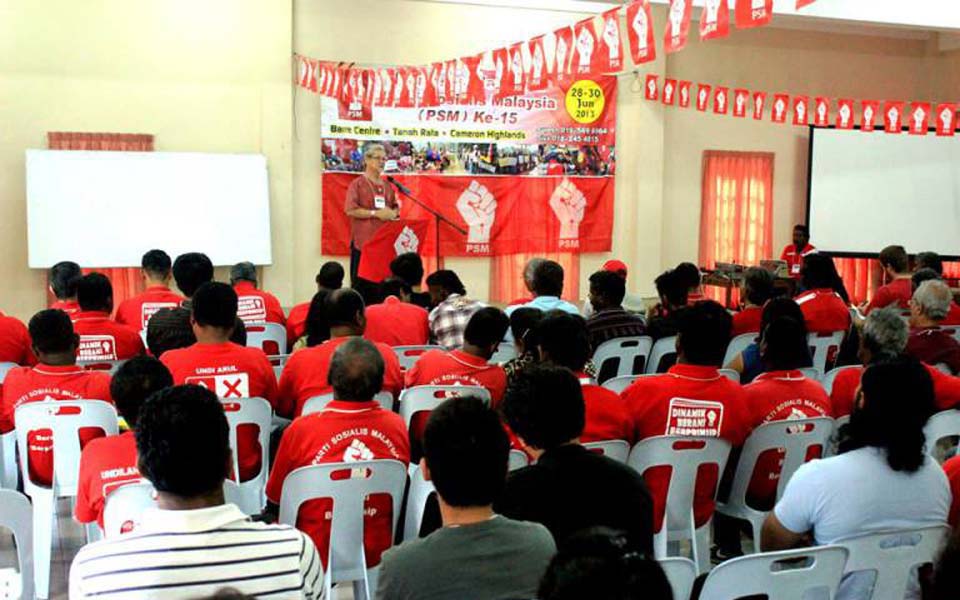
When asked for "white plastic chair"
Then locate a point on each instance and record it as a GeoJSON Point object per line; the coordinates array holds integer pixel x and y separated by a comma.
{"type": "Point", "coordinates": [123, 506]}
{"type": "Point", "coordinates": [943, 424]}
{"type": "Point", "coordinates": [662, 348]}
{"type": "Point", "coordinates": [730, 374]}
{"type": "Point", "coordinates": [16, 514]}
{"type": "Point", "coordinates": [245, 411]}
{"type": "Point", "coordinates": [418, 494]}
{"type": "Point", "coordinates": [618, 384]}
{"type": "Point", "coordinates": [617, 450]}
{"type": "Point", "coordinates": [811, 373]}
{"type": "Point", "coordinates": [318, 403]}
{"type": "Point", "coordinates": [684, 456]}
{"type": "Point", "coordinates": [794, 437]}
{"type": "Point", "coordinates": [681, 573]}
{"type": "Point", "coordinates": [892, 556]}
{"type": "Point", "coordinates": [422, 398]}
{"type": "Point", "coordinates": [65, 418]}
{"type": "Point", "coordinates": [821, 345]}
{"type": "Point", "coordinates": [737, 345]}
{"type": "Point", "coordinates": [624, 352]}
{"type": "Point", "coordinates": [517, 459]}
{"type": "Point", "coordinates": [758, 574]}
{"type": "Point", "coordinates": [831, 375]}
{"type": "Point", "coordinates": [409, 355]}
{"type": "Point", "coordinates": [260, 334]}
{"type": "Point", "coordinates": [6, 367]}
{"type": "Point", "coordinates": [506, 351]}
{"type": "Point", "coordinates": [346, 558]}
{"type": "Point", "coordinates": [9, 475]}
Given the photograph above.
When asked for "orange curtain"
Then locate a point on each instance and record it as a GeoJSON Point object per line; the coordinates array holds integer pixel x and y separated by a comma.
{"type": "Point", "coordinates": [506, 276]}
{"type": "Point", "coordinates": [861, 277]}
{"type": "Point", "coordinates": [126, 280]}
{"type": "Point", "coordinates": [736, 211]}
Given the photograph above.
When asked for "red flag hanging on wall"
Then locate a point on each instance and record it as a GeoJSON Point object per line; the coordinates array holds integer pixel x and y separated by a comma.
{"type": "Point", "coordinates": [754, 13]}
{"type": "Point", "coordinates": [703, 96]}
{"type": "Point", "coordinates": [610, 48]}
{"type": "Point", "coordinates": [494, 73]}
{"type": "Point", "coordinates": [715, 19]}
{"type": "Point", "coordinates": [741, 98]}
{"type": "Point", "coordinates": [893, 116]}
{"type": "Point", "coordinates": [650, 88]}
{"type": "Point", "coordinates": [678, 25]}
{"type": "Point", "coordinates": [759, 100]}
{"type": "Point", "coordinates": [669, 91]}
{"type": "Point", "coordinates": [821, 111]}
{"type": "Point", "coordinates": [721, 96]}
{"type": "Point", "coordinates": [868, 117]}
{"type": "Point", "coordinates": [781, 104]}
{"type": "Point", "coordinates": [516, 77]}
{"type": "Point", "coordinates": [946, 119]}
{"type": "Point", "coordinates": [845, 116]}
{"type": "Point", "coordinates": [802, 3]}
{"type": "Point", "coordinates": [586, 51]}
{"type": "Point", "coordinates": [640, 32]}
{"type": "Point", "coordinates": [537, 78]}
{"type": "Point", "coordinates": [801, 110]}
{"type": "Point", "coordinates": [919, 118]}
{"type": "Point", "coordinates": [684, 91]}
{"type": "Point", "coordinates": [561, 54]}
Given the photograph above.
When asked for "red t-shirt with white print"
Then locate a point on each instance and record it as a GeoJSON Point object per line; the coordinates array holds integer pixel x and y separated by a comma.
{"type": "Point", "coordinates": [342, 432]}
{"type": "Point", "coordinates": [102, 338]}
{"type": "Point", "coordinates": [439, 367]}
{"type": "Point", "coordinates": [106, 464]}
{"type": "Point", "coordinates": [824, 311]}
{"type": "Point", "coordinates": [606, 416]}
{"type": "Point", "coordinates": [136, 312]}
{"type": "Point", "coordinates": [257, 306]}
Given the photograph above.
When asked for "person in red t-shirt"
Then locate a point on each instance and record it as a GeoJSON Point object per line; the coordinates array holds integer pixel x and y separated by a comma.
{"type": "Point", "coordinates": [56, 377]}
{"type": "Point", "coordinates": [756, 290]}
{"type": "Point", "coordinates": [564, 341]}
{"type": "Point", "coordinates": [253, 305]}
{"type": "Point", "coordinates": [352, 427]}
{"type": "Point", "coordinates": [110, 462]}
{"type": "Point", "coordinates": [329, 278]}
{"type": "Point", "coordinates": [305, 374]}
{"type": "Point", "coordinates": [396, 321]}
{"type": "Point", "coordinates": [229, 370]}
{"type": "Point", "coordinates": [63, 280]}
{"type": "Point", "coordinates": [824, 309]}
{"type": "Point", "coordinates": [369, 203]}
{"type": "Point", "coordinates": [794, 253]}
{"type": "Point", "coordinates": [15, 342]}
{"type": "Point", "coordinates": [895, 265]}
{"type": "Point", "coordinates": [102, 338]}
{"type": "Point", "coordinates": [952, 468]}
{"type": "Point", "coordinates": [691, 399]}
{"type": "Point", "coordinates": [155, 269]}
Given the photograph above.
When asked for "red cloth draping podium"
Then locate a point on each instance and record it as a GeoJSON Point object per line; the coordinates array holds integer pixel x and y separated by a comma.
{"type": "Point", "coordinates": [392, 239]}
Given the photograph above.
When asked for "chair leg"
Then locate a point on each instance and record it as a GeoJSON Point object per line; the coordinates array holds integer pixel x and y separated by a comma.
{"type": "Point", "coordinates": [43, 518]}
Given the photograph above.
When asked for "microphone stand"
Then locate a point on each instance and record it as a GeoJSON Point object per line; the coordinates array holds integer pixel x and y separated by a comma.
{"type": "Point", "coordinates": [437, 217]}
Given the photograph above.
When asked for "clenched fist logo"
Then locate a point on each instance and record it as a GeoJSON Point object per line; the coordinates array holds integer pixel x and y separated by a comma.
{"type": "Point", "coordinates": [478, 208]}
{"type": "Point", "coordinates": [611, 37]}
{"type": "Point", "coordinates": [585, 47]}
{"type": "Point", "coordinates": [407, 241]}
{"type": "Point", "coordinates": [568, 203]}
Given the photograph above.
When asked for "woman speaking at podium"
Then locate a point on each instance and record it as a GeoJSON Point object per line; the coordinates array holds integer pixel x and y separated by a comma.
{"type": "Point", "coordinates": [370, 202]}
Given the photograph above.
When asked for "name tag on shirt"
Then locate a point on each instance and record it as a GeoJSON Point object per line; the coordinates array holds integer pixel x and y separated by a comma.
{"type": "Point", "coordinates": [795, 269]}
{"type": "Point", "coordinates": [379, 201]}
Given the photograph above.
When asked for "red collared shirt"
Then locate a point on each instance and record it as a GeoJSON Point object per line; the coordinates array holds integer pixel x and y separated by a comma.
{"type": "Point", "coordinates": [397, 323]}
{"type": "Point", "coordinates": [297, 323]}
{"type": "Point", "coordinates": [102, 338]}
{"type": "Point", "coordinates": [606, 415]}
{"type": "Point", "coordinates": [824, 311]}
{"type": "Point", "coordinates": [361, 194]}
{"type": "Point", "coordinates": [342, 432]}
{"type": "Point", "coordinates": [15, 343]}
{"type": "Point", "coordinates": [136, 312]}
{"type": "Point", "coordinates": [747, 321]}
{"type": "Point", "coordinates": [305, 375]}
{"type": "Point", "coordinates": [257, 306]}
{"type": "Point", "coordinates": [933, 346]}
{"type": "Point", "coordinates": [946, 390]}
{"type": "Point", "coordinates": [687, 400]}
{"type": "Point", "coordinates": [106, 464]}
{"type": "Point", "coordinates": [48, 382]}
{"type": "Point", "coordinates": [899, 291]}
{"type": "Point", "coordinates": [71, 307]}
{"type": "Point", "coordinates": [437, 367]}
{"type": "Point", "coordinates": [794, 259]}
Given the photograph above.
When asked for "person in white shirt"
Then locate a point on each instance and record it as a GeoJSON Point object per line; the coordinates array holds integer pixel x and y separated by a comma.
{"type": "Point", "coordinates": [883, 479]}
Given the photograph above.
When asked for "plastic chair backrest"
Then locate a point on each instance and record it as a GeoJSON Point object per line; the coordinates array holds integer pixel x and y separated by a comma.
{"type": "Point", "coordinates": [245, 411]}
{"type": "Point", "coordinates": [811, 373]}
{"type": "Point", "coordinates": [628, 355]}
{"type": "Point", "coordinates": [506, 351]}
{"type": "Point", "coordinates": [617, 450]}
{"type": "Point", "coordinates": [65, 418]}
{"type": "Point", "coordinates": [758, 574]}
{"type": "Point", "coordinates": [269, 337]}
{"type": "Point", "coordinates": [517, 459]}
{"type": "Point", "coordinates": [737, 345]}
{"type": "Point", "coordinates": [5, 367]}
{"type": "Point", "coordinates": [417, 495]}
{"type": "Point", "coordinates": [318, 403]}
{"type": "Point", "coordinates": [110, 366]}
{"type": "Point", "coordinates": [660, 355]}
{"type": "Point", "coordinates": [618, 384]}
{"type": "Point", "coordinates": [409, 355]}
{"type": "Point", "coordinates": [427, 397]}
{"type": "Point", "coordinates": [16, 514]}
{"type": "Point", "coordinates": [681, 573]}
{"type": "Point", "coordinates": [943, 424]}
{"type": "Point", "coordinates": [123, 506]}
{"type": "Point", "coordinates": [730, 374]}
{"type": "Point", "coordinates": [823, 345]}
{"type": "Point", "coordinates": [827, 381]}
{"type": "Point", "coordinates": [346, 555]}
{"type": "Point", "coordinates": [892, 555]}
{"type": "Point", "coordinates": [684, 455]}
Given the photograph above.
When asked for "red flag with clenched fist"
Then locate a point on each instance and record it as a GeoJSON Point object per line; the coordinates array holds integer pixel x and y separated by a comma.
{"type": "Point", "coordinates": [868, 117]}
{"type": "Point", "coordinates": [721, 100]}
{"type": "Point", "coordinates": [537, 77]}
{"type": "Point", "coordinates": [759, 101]}
{"type": "Point", "coordinates": [650, 88]}
{"type": "Point", "coordinates": [669, 91]}
{"type": "Point", "coordinates": [715, 19]}
{"type": "Point", "coordinates": [801, 110]}
{"type": "Point", "coordinates": [586, 53]}
{"type": "Point", "coordinates": [611, 52]}
{"type": "Point", "coordinates": [893, 116]}
{"type": "Point", "coordinates": [946, 119]}
{"type": "Point", "coordinates": [703, 96]}
{"type": "Point", "coordinates": [678, 25]}
{"type": "Point", "coordinates": [516, 77]}
{"type": "Point", "coordinates": [640, 32]}
{"type": "Point", "coordinates": [781, 105]}
{"type": "Point", "coordinates": [684, 91]}
{"type": "Point", "coordinates": [741, 98]}
{"type": "Point", "coordinates": [561, 54]}
{"type": "Point", "coordinates": [919, 118]}
{"type": "Point", "coordinates": [845, 115]}
{"type": "Point", "coordinates": [754, 13]}
{"type": "Point", "coordinates": [821, 111]}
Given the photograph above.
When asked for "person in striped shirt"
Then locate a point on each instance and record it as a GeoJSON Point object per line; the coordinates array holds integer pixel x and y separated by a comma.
{"type": "Point", "coordinates": [193, 543]}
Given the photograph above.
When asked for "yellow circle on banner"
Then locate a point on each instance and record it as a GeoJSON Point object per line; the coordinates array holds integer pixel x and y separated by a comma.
{"type": "Point", "coordinates": [585, 101]}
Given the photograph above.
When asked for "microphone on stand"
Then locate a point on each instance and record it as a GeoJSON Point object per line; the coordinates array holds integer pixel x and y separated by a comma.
{"type": "Point", "coordinates": [399, 185]}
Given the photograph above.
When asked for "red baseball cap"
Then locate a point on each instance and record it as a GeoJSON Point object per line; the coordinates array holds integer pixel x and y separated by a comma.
{"type": "Point", "coordinates": [616, 266]}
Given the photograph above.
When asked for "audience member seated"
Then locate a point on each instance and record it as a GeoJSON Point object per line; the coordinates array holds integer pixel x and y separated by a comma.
{"type": "Point", "coordinates": [397, 321]}
{"type": "Point", "coordinates": [927, 274]}
{"type": "Point", "coordinates": [609, 320]}
{"type": "Point", "coordinates": [631, 302]}
{"type": "Point", "coordinates": [756, 290]}
{"type": "Point", "coordinates": [896, 269]}
{"type": "Point", "coordinates": [793, 254]}
{"type": "Point", "coordinates": [824, 310]}
{"type": "Point", "coordinates": [528, 271]}
{"type": "Point", "coordinates": [329, 278]}
{"type": "Point", "coordinates": [317, 328]}
{"type": "Point", "coordinates": [568, 488]}
{"type": "Point", "coordinates": [662, 318]}
{"type": "Point", "coordinates": [102, 338]}
{"type": "Point", "coordinates": [305, 374]}
{"type": "Point", "coordinates": [408, 267]}
{"type": "Point", "coordinates": [882, 479]}
{"type": "Point", "coordinates": [477, 553]}
{"type": "Point", "coordinates": [563, 342]}
{"type": "Point", "coordinates": [352, 427]}
{"type": "Point", "coordinates": [749, 363]}
{"type": "Point", "coordinates": [946, 576]}
{"type": "Point", "coordinates": [952, 468]}
{"type": "Point", "coordinates": [929, 343]}
{"type": "Point", "coordinates": [547, 287]}
{"type": "Point", "coordinates": [155, 269]}
{"type": "Point", "coordinates": [254, 305]}
{"type": "Point", "coordinates": [523, 329]}
{"type": "Point", "coordinates": [170, 328]}
{"type": "Point", "coordinates": [929, 260]}
{"type": "Point", "coordinates": [56, 377]}
{"type": "Point", "coordinates": [63, 283]}
{"type": "Point", "coordinates": [452, 308]}
{"type": "Point", "coordinates": [183, 448]}
{"type": "Point", "coordinates": [688, 274]}
{"type": "Point", "coordinates": [602, 564]}
{"type": "Point", "coordinates": [110, 462]}
{"type": "Point", "coordinates": [15, 342]}
{"type": "Point", "coordinates": [693, 384]}
{"type": "Point", "coordinates": [229, 370]}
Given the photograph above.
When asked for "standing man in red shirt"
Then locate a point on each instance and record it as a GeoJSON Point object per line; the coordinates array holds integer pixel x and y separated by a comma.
{"type": "Point", "coordinates": [229, 370]}
{"type": "Point", "coordinates": [352, 427]}
{"type": "Point", "coordinates": [254, 305]}
{"type": "Point", "coordinates": [155, 269]}
{"type": "Point", "coordinates": [396, 321]}
{"type": "Point", "coordinates": [895, 265]}
{"type": "Point", "coordinates": [102, 338]}
{"type": "Point", "coordinates": [823, 308]}
{"type": "Point", "coordinates": [329, 278]}
{"type": "Point", "coordinates": [370, 201]}
{"type": "Point", "coordinates": [63, 283]}
{"type": "Point", "coordinates": [794, 253]}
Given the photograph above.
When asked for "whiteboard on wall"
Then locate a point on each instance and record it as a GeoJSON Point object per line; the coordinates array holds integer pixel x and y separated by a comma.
{"type": "Point", "coordinates": [870, 190]}
{"type": "Point", "coordinates": [105, 209]}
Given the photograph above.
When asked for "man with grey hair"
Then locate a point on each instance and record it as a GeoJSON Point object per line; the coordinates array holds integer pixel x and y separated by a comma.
{"type": "Point", "coordinates": [370, 201]}
{"type": "Point", "coordinates": [528, 271]}
{"type": "Point", "coordinates": [929, 343]}
{"type": "Point", "coordinates": [351, 427]}
{"type": "Point", "coordinates": [254, 305]}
